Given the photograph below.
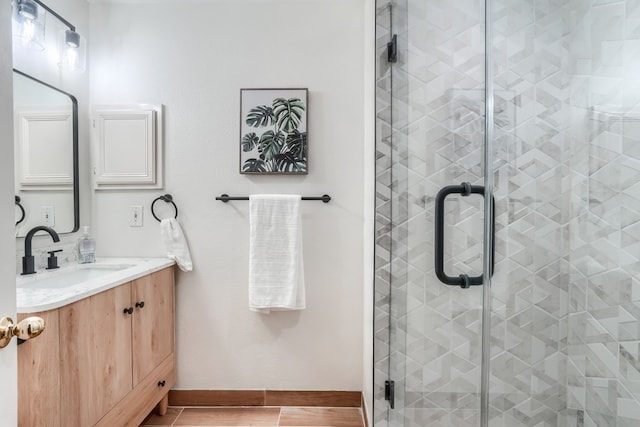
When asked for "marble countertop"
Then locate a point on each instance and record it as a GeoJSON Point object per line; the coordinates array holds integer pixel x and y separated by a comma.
{"type": "Point", "coordinates": [48, 290]}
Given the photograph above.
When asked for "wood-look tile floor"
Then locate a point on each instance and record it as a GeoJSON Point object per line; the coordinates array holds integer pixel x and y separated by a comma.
{"type": "Point", "coordinates": [257, 416]}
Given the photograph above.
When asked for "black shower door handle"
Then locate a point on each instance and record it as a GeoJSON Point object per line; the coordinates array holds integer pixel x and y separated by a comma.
{"type": "Point", "coordinates": [463, 280]}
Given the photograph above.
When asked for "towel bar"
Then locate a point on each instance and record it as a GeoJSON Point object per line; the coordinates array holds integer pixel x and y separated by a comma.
{"type": "Point", "coordinates": [225, 198]}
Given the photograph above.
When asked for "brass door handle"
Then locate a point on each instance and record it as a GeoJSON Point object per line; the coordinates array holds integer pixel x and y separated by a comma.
{"type": "Point", "coordinates": [26, 329]}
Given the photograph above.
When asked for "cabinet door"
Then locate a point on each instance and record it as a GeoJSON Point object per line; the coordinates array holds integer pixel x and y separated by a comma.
{"type": "Point", "coordinates": [39, 376]}
{"type": "Point", "coordinates": [112, 342]}
{"type": "Point", "coordinates": [95, 365]}
{"type": "Point", "coordinates": [153, 324]}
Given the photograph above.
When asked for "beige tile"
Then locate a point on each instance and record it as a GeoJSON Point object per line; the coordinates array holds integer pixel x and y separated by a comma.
{"type": "Point", "coordinates": [333, 417]}
{"type": "Point", "coordinates": [228, 417]}
{"type": "Point", "coordinates": [166, 420]}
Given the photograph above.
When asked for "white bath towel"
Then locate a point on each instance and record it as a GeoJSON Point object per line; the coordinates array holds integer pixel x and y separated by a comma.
{"type": "Point", "coordinates": [276, 271]}
{"type": "Point", "coordinates": [175, 243]}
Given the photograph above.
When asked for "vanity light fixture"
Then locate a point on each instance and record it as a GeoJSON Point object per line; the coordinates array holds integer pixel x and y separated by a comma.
{"type": "Point", "coordinates": [72, 49]}
{"type": "Point", "coordinates": [71, 38]}
{"type": "Point", "coordinates": [29, 24]}
{"type": "Point", "coordinates": [27, 9]}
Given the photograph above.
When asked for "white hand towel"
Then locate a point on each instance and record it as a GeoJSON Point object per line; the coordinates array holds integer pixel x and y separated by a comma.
{"type": "Point", "coordinates": [276, 271]}
{"type": "Point", "coordinates": [175, 243]}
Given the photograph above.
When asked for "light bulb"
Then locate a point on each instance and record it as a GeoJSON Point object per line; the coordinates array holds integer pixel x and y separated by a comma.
{"type": "Point", "coordinates": [72, 58]}
{"type": "Point", "coordinates": [28, 32]}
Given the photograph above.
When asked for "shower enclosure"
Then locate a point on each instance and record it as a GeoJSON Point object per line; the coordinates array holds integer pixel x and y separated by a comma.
{"type": "Point", "coordinates": [537, 101]}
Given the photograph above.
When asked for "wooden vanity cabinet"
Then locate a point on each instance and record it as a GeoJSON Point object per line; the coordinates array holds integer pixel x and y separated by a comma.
{"type": "Point", "coordinates": [152, 358]}
{"type": "Point", "coordinates": [39, 375]}
{"type": "Point", "coordinates": [116, 356]}
{"type": "Point", "coordinates": [152, 324]}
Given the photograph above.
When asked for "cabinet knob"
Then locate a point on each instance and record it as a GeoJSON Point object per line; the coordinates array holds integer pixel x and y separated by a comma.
{"type": "Point", "coordinates": [26, 329]}
{"type": "Point", "coordinates": [128, 310]}
{"type": "Point", "coordinates": [140, 304]}
{"type": "Point", "coordinates": [161, 383]}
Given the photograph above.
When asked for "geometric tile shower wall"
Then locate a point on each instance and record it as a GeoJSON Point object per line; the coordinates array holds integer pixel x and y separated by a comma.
{"type": "Point", "coordinates": [566, 172]}
{"type": "Point", "coordinates": [603, 340]}
{"type": "Point", "coordinates": [530, 287]}
{"type": "Point", "coordinates": [566, 292]}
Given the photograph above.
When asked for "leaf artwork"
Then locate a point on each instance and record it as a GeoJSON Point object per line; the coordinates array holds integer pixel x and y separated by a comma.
{"type": "Point", "coordinates": [260, 116]}
{"type": "Point", "coordinates": [254, 165]}
{"type": "Point", "coordinates": [279, 144]}
{"type": "Point", "coordinates": [288, 113]}
{"type": "Point", "coordinates": [249, 141]}
{"type": "Point", "coordinates": [271, 144]}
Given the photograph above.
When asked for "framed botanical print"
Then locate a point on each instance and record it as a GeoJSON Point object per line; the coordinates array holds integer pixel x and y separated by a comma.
{"type": "Point", "coordinates": [273, 131]}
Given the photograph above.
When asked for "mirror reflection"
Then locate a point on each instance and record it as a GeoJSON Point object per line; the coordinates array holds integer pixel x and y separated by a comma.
{"type": "Point", "coordinates": [46, 161]}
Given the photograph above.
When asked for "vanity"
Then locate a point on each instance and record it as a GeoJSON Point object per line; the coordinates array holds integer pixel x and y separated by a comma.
{"type": "Point", "coordinates": [106, 357]}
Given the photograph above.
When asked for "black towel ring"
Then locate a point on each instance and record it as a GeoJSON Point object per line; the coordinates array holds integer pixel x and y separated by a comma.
{"type": "Point", "coordinates": [21, 210]}
{"type": "Point", "coordinates": [166, 198]}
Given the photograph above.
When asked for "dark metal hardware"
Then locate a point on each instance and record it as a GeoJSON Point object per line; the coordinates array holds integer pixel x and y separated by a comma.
{"type": "Point", "coordinates": [390, 392]}
{"type": "Point", "coordinates": [51, 11]}
{"type": "Point", "coordinates": [140, 304]}
{"type": "Point", "coordinates": [28, 262]}
{"type": "Point", "coordinates": [392, 50]}
{"type": "Point", "coordinates": [225, 198]}
{"type": "Point", "coordinates": [463, 280]}
{"type": "Point", "coordinates": [23, 213]}
{"type": "Point", "coordinates": [161, 383]}
{"type": "Point", "coordinates": [52, 261]}
{"type": "Point", "coordinates": [165, 198]}
{"type": "Point", "coordinates": [128, 310]}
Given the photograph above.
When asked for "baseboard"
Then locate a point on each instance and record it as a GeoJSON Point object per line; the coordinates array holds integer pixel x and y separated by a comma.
{"type": "Point", "coordinates": [343, 399]}
{"type": "Point", "coordinates": [265, 398]}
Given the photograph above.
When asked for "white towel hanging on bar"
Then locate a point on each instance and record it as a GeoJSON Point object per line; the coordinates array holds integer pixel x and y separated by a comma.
{"type": "Point", "coordinates": [276, 270]}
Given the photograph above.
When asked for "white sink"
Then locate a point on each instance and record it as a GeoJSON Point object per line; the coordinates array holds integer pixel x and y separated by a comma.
{"type": "Point", "coordinates": [50, 289]}
{"type": "Point", "coordinates": [70, 276]}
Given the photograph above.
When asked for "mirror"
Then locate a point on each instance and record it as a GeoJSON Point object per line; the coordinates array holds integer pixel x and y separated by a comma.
{"type": "Point", "coordinates": [46, 156]}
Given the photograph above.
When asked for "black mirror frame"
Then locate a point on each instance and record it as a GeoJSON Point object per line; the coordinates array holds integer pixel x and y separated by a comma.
{"type": "Point", "coordinates": [76, 165]}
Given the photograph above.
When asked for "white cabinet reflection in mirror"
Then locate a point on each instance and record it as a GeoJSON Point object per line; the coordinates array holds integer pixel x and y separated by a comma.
{"type": "Point", "coordinates": [127, 147]}
{"type": "Point", "coordinates": [44, 142]}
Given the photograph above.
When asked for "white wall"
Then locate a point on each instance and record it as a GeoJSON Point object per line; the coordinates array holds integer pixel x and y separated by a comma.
{"type": "Point", "coordinates": [193, 57]}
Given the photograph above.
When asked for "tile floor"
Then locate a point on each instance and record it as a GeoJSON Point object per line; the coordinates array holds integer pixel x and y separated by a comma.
{"type": "Point", "coordinates": [257, 416]}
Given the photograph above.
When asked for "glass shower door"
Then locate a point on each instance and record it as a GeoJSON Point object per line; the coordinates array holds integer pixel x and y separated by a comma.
{"type": "Point", "coordinates": [436, 139]}
{"type": "Point", "coordinates": [563, 149]}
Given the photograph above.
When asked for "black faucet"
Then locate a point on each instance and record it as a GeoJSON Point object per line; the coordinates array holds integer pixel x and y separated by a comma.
{"type": "Point", "coordinates": [28, 264]}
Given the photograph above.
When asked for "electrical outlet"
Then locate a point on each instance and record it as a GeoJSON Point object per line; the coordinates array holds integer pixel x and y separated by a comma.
{"type": "Point", "coordinates": [49, 216]}
{"type": "Point", "coordinates": [135, 216]}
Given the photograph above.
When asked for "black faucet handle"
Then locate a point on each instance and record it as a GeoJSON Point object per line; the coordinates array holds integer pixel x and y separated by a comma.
{"type": "Point", "coordinates": [52, 261]}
